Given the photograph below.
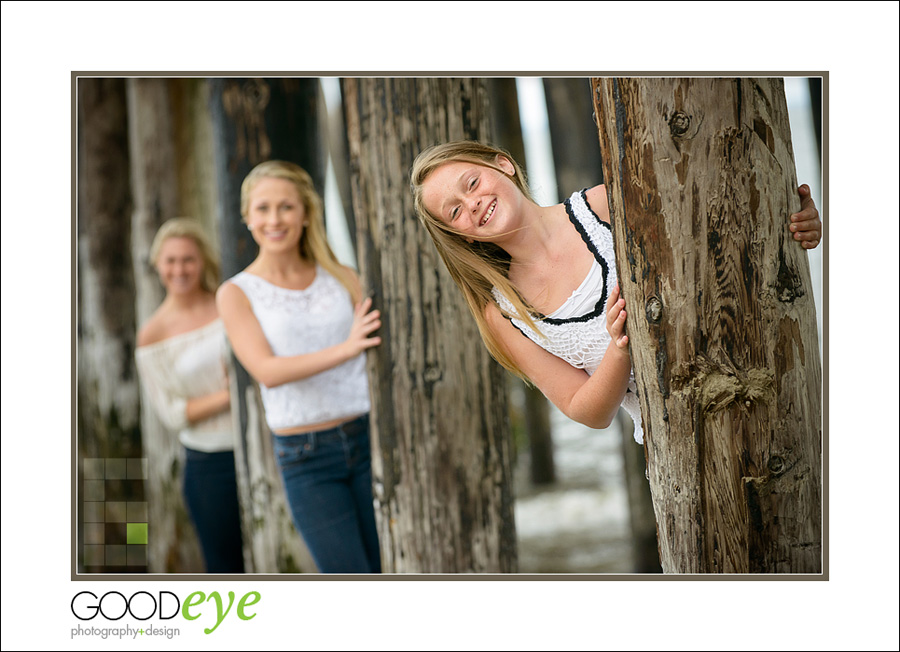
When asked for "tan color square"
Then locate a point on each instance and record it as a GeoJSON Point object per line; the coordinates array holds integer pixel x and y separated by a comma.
{"type": "Point", "coordinates": [137, 555]}
{"type": "Point", "coordinates": [115, 555]}
{"type": "Point", "coordinates": [136, 512]}
{"type": "Point", "coordinates": [94, 512]}
{"type": "Point", "coordinates": [93, 555]}
{"type": "Point", "coordinates": [115, 468]}
{"type": "Point", "coordinates": [115, 512]}
{"type": "Point", "coordinates": [136, 468]}
{"type": "Point", "coordinates": [94, 533]}
{"type": "Point", "coordinates": [93, 468]}
{"type": "Point", "coordinates": [94, 490]}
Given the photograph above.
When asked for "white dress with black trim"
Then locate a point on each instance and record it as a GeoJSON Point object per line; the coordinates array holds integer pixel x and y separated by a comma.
{"type": "Point", "coordinates": [576, 332]}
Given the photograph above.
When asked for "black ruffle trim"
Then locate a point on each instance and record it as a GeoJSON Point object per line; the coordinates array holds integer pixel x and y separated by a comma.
{"type": "Point", "coordinates": [601, 304]}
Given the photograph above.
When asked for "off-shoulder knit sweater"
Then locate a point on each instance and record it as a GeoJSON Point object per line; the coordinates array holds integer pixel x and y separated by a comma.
{"type": "Point", "coordinates": [185, 366]}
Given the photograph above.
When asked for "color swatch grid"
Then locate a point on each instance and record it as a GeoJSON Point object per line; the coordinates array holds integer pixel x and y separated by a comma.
{"type": "Point", "coordinates": [114, 514]}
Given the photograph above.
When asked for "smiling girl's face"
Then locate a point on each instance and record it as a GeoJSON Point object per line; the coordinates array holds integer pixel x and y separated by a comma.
{"type": "Point", "coordinates": [180, 265]}
{"type": "Point", "coordinates": [479, 202]}
{"type": "Point", "coordinates": [275, 214]}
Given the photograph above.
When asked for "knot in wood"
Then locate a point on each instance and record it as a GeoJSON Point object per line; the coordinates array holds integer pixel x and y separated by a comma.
{"type": "Point", "coordinates": [788, 286]}
{"type": "Point", "coordinates": [654, 310]}
{"type": "Point", "coordinates": [679, 124]}
{"type": "Point", "coordinates": [256, 93]}
{"type": "Point", "coordinates": [776, 464]}
{"type": "Point", "coordinates": [432, 373]}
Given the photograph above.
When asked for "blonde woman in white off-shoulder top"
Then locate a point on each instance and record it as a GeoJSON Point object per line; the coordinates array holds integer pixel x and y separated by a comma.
{"type": "Point", "coordinates": [181, 360]}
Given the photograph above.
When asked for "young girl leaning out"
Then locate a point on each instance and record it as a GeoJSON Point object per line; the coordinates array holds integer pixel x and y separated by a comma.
{"type": "Point", "coordinates": [541, 281]}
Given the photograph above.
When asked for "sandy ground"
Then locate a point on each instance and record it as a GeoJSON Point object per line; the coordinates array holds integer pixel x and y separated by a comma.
{"type": "Point", "coordinates": [579, 524]}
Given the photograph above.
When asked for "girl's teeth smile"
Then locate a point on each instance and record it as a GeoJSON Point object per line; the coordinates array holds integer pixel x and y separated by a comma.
{"type": "Point", "coordinates": [487, 216]}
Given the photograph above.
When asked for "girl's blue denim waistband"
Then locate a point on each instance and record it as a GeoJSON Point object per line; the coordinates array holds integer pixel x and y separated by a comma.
{"type": "Point", "coordinates": [209, 457]}
{"type": "Point", "coordinates": [351, 428]}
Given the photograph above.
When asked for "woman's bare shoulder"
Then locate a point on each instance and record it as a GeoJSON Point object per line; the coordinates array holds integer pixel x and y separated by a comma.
{"type": "Point", "coordinates": [154, 329]}
{"type": "Point", "coordinates": [598, 201]}
{"type": "Point", "coordinates": [229, 295]}
{"type": "Point", "coordinates": [169, 322]}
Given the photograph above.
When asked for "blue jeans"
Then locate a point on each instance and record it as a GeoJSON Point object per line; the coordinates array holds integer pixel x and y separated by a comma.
{"type": "Point", "coordinates": [210, 493]}
{"type": "Point", "coordinates": [328, 479]}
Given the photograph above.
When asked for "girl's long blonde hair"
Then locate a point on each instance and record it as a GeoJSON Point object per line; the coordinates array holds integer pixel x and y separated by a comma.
{"type": "Point", "coordinates": [185, 227]}
{"type": "Point", "coordinates": [479, 267]}
{"type": "Point", "coordinates": [314, 245]}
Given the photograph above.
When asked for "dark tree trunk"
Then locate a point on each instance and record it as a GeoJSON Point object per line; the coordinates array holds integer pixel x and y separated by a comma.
{"type": "Point", "coordinates": [108, 397]}
{"type": "Point", "coordinates": [701, 183]}
{"type": "Point", "coordinates": [570, 112]}
{"type": "Point", "coordinates": [256, 120]}
{"type": "Point", "coordinates": [505, 122]}
{"type": "Point", "coordinates": [815, 105]}
{"type": "Point", "coordinates": [441, 445]}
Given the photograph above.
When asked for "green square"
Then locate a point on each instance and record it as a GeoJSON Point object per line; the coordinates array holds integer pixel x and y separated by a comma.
{"type": "Point", "coordinates": [137, 533]}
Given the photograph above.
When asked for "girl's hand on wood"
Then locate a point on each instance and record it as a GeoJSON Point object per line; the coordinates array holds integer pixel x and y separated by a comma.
{"type": "Point", "coordinates": [365, 322]}
{"type": "Point", "coordinates": [805, 225]}
{"type": "Point", "coordinates": [615, 319]}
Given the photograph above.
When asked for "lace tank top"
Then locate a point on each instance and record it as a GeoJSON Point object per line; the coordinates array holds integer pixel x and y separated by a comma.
{"type": "Point", "coordinates": [576, 332]}
{"type": "Point", "coordinates": [297, 322]}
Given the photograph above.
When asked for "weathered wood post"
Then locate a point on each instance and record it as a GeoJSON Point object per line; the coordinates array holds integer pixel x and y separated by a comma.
{"type": "Point", "coordinates": [256, 120]}
{"type": "Point", "coordinates": [108, 401]}
{"type": "Point", "coordinates": [172, 545]}
{"type": "Point", "coordinates": [441, 445]}
{"type": "Point", "coordinates": [701, 182]}
{"type": "Point", "coordinates": [576, 159]}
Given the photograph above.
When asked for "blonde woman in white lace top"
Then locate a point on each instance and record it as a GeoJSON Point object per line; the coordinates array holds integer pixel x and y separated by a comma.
{"type": "Point", "coordinates": [540, 281]}
{"type": "Point", "coordinates": [181, 360]}
{"type": "Point", "coordinates": [297, 322]}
